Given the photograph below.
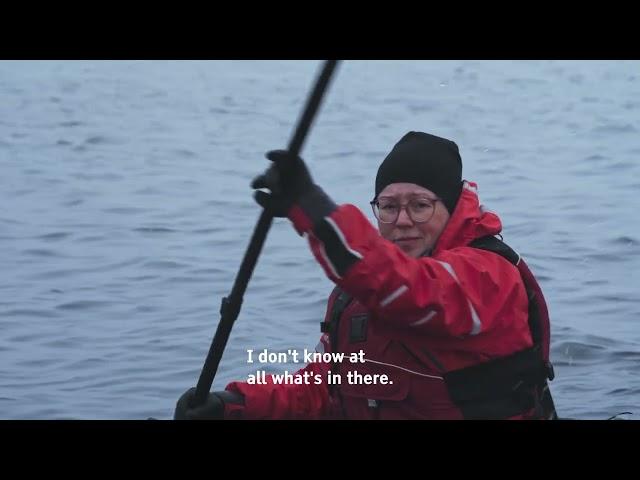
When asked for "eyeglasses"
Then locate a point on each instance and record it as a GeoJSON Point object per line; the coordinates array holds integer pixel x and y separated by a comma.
{"type": "Point", "coordinates": [420, 209]}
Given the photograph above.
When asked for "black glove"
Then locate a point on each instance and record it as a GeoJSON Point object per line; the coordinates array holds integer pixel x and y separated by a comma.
{"type": "Point", "coordinates": [288, 179]}
{"type": "Point", "coordinates": [212, 409]}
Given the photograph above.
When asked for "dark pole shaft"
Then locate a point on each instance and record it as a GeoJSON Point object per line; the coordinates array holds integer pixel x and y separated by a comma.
{"type": "Point", "coordinates": [230, 307]}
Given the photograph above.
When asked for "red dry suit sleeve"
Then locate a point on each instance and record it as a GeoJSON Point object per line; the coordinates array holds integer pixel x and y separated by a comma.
{"type": "Point", "coordinates": [283, 401]}
{"type": "Point", "coordinates": [462, 291]}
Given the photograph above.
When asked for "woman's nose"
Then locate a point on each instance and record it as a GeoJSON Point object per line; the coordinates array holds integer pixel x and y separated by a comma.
{"type": "Point", "coordinates": [403, 218]}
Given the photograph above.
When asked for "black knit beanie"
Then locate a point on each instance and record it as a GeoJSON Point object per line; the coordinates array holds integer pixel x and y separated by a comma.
{"type": "Point", "coordinates": [426, 160]}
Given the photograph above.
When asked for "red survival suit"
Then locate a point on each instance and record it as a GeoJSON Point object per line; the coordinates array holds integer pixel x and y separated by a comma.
{"type": "Point", "coordinates": [454, 332]}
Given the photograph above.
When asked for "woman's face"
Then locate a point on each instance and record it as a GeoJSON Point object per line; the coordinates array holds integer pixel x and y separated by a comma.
{"type": "Point", "coordinates": [410, 200]}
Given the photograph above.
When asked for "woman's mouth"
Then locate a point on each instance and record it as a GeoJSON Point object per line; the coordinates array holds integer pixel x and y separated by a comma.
{"type": "Point", "coordinates": [406, 240]}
